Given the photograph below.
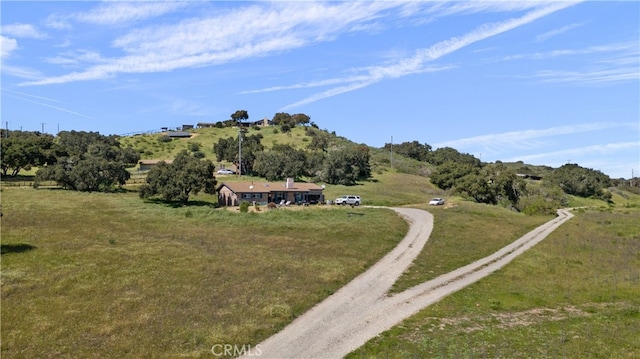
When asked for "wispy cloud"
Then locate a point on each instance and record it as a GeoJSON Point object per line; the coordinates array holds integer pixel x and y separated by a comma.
{"type": "Point", "coordinates": [528, 139]}
{"type": "Point", "coordinates": [570, 155]}
{"type": "Point", "coordinates": [115, 12]}
{"type": "Point", "coordinates": [110, 13]}
{"type": "Point", "coordinates": [22, 31]}
{"type": "Point", "coordinates": [8, 46]}
{"type": "Point", "coordinates": [74, 58]}
{"type": "Point", "coordinates": [21, 72]}
{"type": "Point", "coordinates": [352, 79]}
{"type": "Point", "coordinates": [39, 100]}
{"type": "Point", "coordinates": [549, 34]}
{"type": "Point", "coordinates": [593, 76]}
{"type": "Point", "coordinates": [210, 40]}
{"type": "Point", "coordinates": [415, 64]}
{"type": "Point", "coordinates": [630, 48]}
{"type": "Point", "coordinates": [598, 64]}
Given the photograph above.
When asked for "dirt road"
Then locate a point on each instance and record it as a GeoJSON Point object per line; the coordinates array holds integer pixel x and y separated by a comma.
{"type": "Point", "coordinates": [361, 310]}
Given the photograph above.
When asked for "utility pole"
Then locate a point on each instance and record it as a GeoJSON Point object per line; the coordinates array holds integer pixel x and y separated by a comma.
{"type": "Point", "coordinates": [240, 152]}
{"type": "Point", "coordinates": [6, 133]}
{"type": "Point", "coordinates": [42, 123]}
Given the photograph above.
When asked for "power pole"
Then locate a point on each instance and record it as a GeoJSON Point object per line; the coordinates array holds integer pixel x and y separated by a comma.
{"type": "Point", "coordinates": [42, 123]}
{"type": "Point", "coordinates": [240, 152]}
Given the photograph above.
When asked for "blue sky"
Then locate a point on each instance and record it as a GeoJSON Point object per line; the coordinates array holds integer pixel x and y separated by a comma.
{"type": "Point", "coordinates": [543, 82]}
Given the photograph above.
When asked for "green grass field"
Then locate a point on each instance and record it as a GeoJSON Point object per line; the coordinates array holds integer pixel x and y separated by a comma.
{"type": "Point", "coordinates": [111, 275]}
{"type": "Point", "coordinates": [575, 295]}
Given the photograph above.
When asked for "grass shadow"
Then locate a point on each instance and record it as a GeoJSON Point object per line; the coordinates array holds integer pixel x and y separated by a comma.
{"type": "Point", "coordinates": [178, 204]}
{"type": "Point", "coordinates": [15, 248]}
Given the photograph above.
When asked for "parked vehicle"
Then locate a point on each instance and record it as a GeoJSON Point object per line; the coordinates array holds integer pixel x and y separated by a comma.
{"type": "Point", "coordinates": [225, 171]}
{"type": "Point", "coordinates": [436, 202]}
{"type": "Point", "coordinates": [348, 199]}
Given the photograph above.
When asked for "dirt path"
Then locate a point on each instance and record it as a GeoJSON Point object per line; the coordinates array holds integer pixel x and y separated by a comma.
{"type": "Point", "coordinates": [361, 310]}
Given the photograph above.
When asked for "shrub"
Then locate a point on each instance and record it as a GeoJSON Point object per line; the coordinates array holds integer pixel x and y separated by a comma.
{"type": "Point", "coordinates": [199, 154]}
{"type": "Point", "coordinates": [244, 207]}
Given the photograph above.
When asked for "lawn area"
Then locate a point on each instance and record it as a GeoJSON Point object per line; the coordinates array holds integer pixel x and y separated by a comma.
{"type": "Point", "coordinates": [574, 295]}
{"type": "Point", "coordinates": [111, 275]}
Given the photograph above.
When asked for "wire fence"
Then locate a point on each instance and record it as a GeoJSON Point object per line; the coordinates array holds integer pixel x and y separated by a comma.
{"type": "Point", "coordinates": [48, 184]}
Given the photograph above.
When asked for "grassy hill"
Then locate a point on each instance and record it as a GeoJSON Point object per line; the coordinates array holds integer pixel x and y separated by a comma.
{"type": "Point", "coordinates": [93, 274]}
{"type": "Point", "coordinates": [104, 275]}
{"type": "Point", "coordinates": [151, 147]}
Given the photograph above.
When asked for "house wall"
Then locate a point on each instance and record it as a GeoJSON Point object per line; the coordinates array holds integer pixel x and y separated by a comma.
{"type": "Point", "coordinates": [257, 197]}
{"type": "Point", "coordinates": [226, 197]}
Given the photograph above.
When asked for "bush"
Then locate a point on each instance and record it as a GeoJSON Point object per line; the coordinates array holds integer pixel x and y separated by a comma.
{"type": "Point", "coordinates": [244, 207]}
{"type": "Point", "coordinates": [199, 154]}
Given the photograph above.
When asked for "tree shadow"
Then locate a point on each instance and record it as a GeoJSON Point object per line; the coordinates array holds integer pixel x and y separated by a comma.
{"type": "Point", "coordinates": [178, 204]}
{"type": "Point", "coordinates": [16, 248]}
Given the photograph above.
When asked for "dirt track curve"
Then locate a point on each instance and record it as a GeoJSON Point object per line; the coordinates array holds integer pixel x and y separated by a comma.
{"type": "Point", "coordinates": [362, 309]}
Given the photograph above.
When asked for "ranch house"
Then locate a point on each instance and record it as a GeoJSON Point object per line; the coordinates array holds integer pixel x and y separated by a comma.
{"type": "Point", "coordinates": [232, 193]}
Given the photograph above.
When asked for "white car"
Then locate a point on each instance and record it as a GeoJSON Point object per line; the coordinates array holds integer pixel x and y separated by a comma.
{"type": "Point", "coordinates": [348, 199]}
{"type": "Point", "coordinates": [436, 202]}
{"type": "Point", "coordinates": [225, 171]}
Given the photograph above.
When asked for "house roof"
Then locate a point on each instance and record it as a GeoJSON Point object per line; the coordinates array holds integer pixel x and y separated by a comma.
{"type": "Point", "coordinates": [178, 134]}
{"type": "Point", "coordinates": [263, 187]}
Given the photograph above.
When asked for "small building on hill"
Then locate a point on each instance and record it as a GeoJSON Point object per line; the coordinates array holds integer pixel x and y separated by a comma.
{"type": "Point", "coordinates": [233, 193]}
{"type": "Point", "coordinates": [178, 134]}
{"type": "Point", "coordinates": [146, 165]}
{"type": "Point", "coordinates": [206, 124]}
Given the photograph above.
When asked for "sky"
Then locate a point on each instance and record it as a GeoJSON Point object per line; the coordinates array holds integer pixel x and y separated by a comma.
{"type": "Point", "coordinates": [546, 83]}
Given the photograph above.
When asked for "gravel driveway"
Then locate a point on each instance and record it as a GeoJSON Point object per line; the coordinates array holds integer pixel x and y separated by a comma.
{"type": "Point", "coordinates": [362, 309]}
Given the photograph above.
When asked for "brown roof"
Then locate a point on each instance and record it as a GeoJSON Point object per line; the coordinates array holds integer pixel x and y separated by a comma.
{"type": "Point", "coordinates": [261, 187]}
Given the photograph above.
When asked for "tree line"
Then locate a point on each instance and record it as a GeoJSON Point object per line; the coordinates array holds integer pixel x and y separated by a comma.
{"type": "Point", "coordinates": [320, 160]}
{"type": "Point", "coordinates": [466, 175]}
{"type": "Point", "coordinates": [88, 161]}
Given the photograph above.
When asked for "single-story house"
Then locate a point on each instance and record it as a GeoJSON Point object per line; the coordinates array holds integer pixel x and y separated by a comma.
{"type": "Point", "coordinates": [260, 123]}
{"type": "Point", "coordinates": [146, 165]}
{"type": "Point", "coordinates": [232, 193]}
{"type": "Point", "coordinates": [205, 125]}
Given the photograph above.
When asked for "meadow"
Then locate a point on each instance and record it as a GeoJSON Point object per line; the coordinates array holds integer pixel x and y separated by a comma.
{"type": "Point", "coordinates": [574, 295]}
{"type": "Point", "coordinates": [112, 275]}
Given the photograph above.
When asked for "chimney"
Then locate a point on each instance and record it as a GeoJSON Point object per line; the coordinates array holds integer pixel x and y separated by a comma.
{"type": "Point", "coordinates": [289, 183]}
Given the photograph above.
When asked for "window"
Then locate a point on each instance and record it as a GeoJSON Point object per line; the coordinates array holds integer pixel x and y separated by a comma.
{"type": "Point", "coordinates": [251, 195]}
